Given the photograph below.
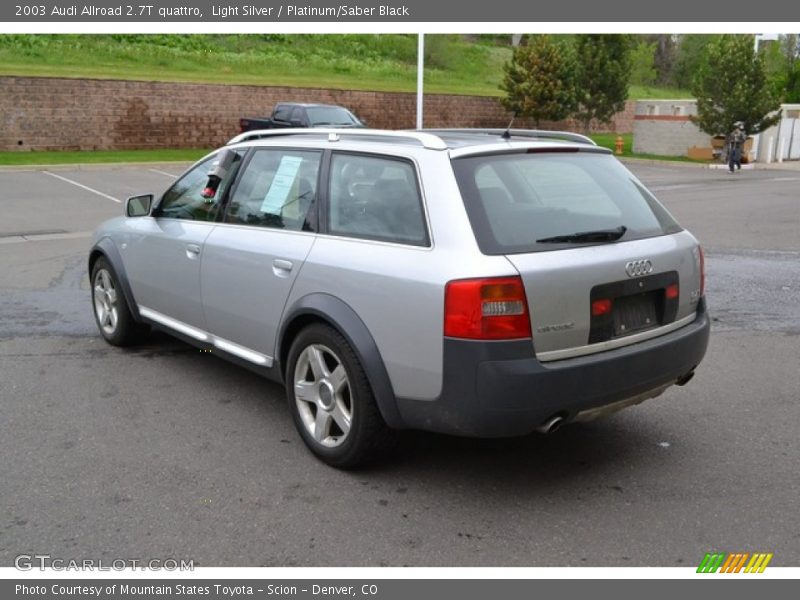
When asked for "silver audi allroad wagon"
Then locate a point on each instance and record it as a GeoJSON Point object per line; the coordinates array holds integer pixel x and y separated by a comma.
{"type": "Point", "coordinates": [471, 282]}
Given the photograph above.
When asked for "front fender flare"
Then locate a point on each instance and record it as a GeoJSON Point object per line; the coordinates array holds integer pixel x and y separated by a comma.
{"type": "Point", "coordinates": [108, 249]}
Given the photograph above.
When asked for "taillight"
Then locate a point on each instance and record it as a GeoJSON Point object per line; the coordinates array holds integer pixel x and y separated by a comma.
{"type": "Point", "coordinates": [486, 309]}
{"type": "Point", "coordinates": [702, 271]}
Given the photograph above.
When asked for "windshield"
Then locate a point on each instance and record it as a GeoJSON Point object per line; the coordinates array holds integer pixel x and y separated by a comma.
{"type": "Point", "coordinates": [330, 115]}
{"type": "Point", "coordinates": [513, 200]}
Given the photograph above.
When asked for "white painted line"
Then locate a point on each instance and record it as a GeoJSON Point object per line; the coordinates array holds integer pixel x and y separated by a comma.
{"type": "Point", "coordinates": [677, 186]}
{"type": "Point", "coordinates": [17, 239]}
{"type": "Point", "coordinates": [163, 173]}
{"type": "Point", "coordinates": [85, 187]}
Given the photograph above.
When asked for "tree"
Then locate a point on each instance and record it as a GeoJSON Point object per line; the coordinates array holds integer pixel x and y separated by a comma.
{"type": "Point", "coordinates": [602, 76]}
{"type": "Point", "coordinates": [691, 58]}
{"type": "Point", "coordinates": [787, 77]}
{"type": "Point", "coordinates": [539, 81]}
{"type": "Point", "coordinates": [664, 59]}
{"type": "Point", "coordinates": [733, 87]}
{"type": "Point", "coordinates": [643, 69]}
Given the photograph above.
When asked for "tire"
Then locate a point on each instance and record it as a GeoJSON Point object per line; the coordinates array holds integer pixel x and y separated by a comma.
{"type": "Point", "coordinates": [110, 309]}
{"type": "Point", "coordinates": [331, 401]}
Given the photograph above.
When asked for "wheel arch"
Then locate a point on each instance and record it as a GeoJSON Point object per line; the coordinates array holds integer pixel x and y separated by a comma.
{"type": "Point", "coordinates": [332, 311]}
{"type": "Point", "coordinates": [106, 248]}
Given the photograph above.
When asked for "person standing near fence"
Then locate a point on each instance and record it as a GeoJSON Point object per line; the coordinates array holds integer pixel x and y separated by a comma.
{"type": "Point", "coordinates": [735, 146]}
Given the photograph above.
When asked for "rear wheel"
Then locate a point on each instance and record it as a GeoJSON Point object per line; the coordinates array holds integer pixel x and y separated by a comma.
{"type": "Point", "coordinates": [111, 311]}
{"type": "Point", "coordinates": [331, 401]}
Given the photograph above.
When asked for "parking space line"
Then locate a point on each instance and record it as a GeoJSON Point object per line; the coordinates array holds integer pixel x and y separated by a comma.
{"type": "Point", "coordinates": [49, 237]}
{"type": "Point", "coordinates": [163, 173]}
{"type": "Point", "coordinates": [85, 187]}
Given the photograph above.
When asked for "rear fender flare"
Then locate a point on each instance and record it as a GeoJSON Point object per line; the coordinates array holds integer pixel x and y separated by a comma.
{"type": "Point", "coordinates": [327, 308]}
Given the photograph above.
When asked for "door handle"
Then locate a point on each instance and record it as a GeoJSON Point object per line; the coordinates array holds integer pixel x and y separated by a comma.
{"type": "Point", "coordinates": [282, 267]}
{"type": "Point", "coordinates": [192, 250]}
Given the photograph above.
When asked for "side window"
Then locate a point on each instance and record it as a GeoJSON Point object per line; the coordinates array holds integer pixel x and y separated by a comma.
{"type": "Point", "coordinates": [184, 199]}
{"type": "Point", "coordinates": [375, 198]}
{"type": "Point", "coordinates": [282, 112]}
{"type": "Point", "coordinates": [277, 189]}
{"type": "Point", "coordinates": [297, 114]}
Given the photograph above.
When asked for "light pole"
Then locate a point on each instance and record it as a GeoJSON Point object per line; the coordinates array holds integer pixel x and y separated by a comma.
{"type": "Point", "coordinates": [420, 72]}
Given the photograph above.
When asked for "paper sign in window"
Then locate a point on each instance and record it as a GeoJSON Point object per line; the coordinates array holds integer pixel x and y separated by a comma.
{"type": "Point", "coordinates": [282, 185]}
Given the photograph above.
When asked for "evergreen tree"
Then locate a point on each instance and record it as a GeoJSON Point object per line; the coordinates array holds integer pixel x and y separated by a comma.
{"type": "Point", "coordinates": [602, 76]}
{"type": "Point", "coordinates": [733, 87]}
{"type": "Point", "coordinates": [539, 81]}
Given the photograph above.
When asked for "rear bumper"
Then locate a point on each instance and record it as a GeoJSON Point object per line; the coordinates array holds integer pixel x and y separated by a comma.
{"type": "Point", "coordinates": [498, 389]}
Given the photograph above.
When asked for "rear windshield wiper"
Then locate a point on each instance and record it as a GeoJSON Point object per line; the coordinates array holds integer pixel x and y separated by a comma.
{"type": "Point", "coordinates": [601, 235]}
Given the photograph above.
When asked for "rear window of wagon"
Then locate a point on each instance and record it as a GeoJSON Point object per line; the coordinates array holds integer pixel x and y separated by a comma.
{"type": "Point", "coordinates": [514, 199]}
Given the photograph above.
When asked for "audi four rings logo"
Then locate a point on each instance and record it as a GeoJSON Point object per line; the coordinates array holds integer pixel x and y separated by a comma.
{"type": "Point", "coordinates": [637, 268]}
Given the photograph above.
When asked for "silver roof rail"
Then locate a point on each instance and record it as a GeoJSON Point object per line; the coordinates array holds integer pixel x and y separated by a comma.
{"type": "Point", "coordinates": [428, 140]}
{"type": "Point", "coordinates": [566, 136]}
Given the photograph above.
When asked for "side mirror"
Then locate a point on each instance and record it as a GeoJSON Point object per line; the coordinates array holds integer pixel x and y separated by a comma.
{"type": "Point", "coordinates": [139, 206]}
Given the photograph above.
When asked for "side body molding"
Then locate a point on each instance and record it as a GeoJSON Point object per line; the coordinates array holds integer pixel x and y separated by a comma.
{"type": "Point", "coordinates": [107, 248]}
{"type": "Point", "coordinates": [347, 322]}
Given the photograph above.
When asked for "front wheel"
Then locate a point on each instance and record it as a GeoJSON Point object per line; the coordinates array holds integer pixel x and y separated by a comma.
{"type": "Point", "coordinates": [331, 401]}
{"type": "Point", "coordinates": [111, 311]}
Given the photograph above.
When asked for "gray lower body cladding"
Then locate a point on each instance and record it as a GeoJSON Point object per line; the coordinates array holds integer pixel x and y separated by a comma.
{"type": "Point", "coordinates": [499, 389]}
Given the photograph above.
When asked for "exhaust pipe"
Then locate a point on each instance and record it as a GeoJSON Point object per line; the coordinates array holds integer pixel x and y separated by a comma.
{"type": "Point", "coordinates": [550, 425]}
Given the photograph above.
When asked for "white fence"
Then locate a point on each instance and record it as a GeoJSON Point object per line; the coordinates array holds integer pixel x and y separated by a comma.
{"type": "Point", "coordinates": [781, 142]}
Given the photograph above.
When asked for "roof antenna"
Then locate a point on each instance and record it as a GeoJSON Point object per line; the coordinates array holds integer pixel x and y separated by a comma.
{"type": "Point", "coordinates": [507, 133]}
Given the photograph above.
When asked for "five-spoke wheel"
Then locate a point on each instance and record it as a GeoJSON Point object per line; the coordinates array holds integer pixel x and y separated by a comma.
{"type": "Point", "coordinates": [331, 400]}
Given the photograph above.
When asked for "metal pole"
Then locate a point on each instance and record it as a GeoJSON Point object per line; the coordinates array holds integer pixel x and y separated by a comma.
{"type": "Point", "coordinates": [420, 72]}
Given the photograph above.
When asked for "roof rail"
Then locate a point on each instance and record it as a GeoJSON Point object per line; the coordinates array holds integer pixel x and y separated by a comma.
{"type": "Point", "coordinates": [428, 140]}
{"type": "Point", "coordinates": [567, 136]}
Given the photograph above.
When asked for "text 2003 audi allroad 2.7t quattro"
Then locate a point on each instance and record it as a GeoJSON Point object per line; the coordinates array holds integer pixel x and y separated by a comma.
{"type": "Point", "coordinates": [472, 282]}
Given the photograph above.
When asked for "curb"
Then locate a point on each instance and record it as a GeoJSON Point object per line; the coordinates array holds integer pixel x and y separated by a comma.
{"type": "Point", "coordinates": [90, 166]}
{"type": "Point", "coordinates": [666, 163]}
{"type": "Point", "coordinates": [793, 165]}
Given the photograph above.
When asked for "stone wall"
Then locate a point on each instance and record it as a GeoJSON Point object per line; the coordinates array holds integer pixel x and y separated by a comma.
{"type": "Point", "coordinates": [42, 113]}
{"type": "Point", "coordinates": [664, 127]}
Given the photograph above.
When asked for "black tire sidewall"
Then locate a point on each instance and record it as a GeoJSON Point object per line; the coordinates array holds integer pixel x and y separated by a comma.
{"type": "Point", "coordinates": [351, 452]}
{"type": "Point", "coordinates": [125, 331]}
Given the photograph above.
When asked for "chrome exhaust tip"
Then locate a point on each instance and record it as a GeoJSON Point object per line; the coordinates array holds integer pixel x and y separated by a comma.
{"type": "Point", "coordinates": [551, 425]}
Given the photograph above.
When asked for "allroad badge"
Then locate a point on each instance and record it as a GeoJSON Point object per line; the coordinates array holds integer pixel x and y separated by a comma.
{"type": "Point", "coordinates": [637, 268]}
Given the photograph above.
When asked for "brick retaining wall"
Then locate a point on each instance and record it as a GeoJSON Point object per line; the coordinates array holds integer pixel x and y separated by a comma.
{"type": "Point", "coordinates": [43, 113]}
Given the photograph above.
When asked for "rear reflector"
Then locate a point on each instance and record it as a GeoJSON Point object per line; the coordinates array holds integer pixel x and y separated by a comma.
{"type": "Point", "coordinates": [601, 307]}
{"type": "Point", "coordinates": [671, 291]}
{"type": "Point", "coordinates": [486, 309]}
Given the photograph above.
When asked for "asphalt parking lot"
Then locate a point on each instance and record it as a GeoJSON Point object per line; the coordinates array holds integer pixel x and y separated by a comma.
{"type": "Point", "coordinates": [166, 452]}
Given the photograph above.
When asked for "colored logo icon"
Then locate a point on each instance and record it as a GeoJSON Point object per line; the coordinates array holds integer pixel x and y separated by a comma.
{"type": "Point", "coordinates": [735, 562]}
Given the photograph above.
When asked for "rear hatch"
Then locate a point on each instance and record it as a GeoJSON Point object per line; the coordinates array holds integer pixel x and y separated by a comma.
{"type": "Point", "coordinates": [602, 261]}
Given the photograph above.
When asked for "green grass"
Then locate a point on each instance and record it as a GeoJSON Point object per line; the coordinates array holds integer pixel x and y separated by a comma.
{"type": "Point", "coordinates": [643, 92]}
{"type": "Point", "coordinates": [98, 156]}
{"type": "Point", "coordinates": [608, 140]}
{"type": "Point", "coordinates": [386, 62]}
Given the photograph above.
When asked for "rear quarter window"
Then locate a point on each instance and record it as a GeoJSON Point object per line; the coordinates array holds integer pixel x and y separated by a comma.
{"type": "Point", "coordinates": [377, 198]}
{"type": "Point", "coordinates": [513, 200]}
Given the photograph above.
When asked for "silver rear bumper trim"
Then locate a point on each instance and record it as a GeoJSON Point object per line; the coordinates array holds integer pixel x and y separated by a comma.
{"type": "Point", "coordinates": [615, 343]}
